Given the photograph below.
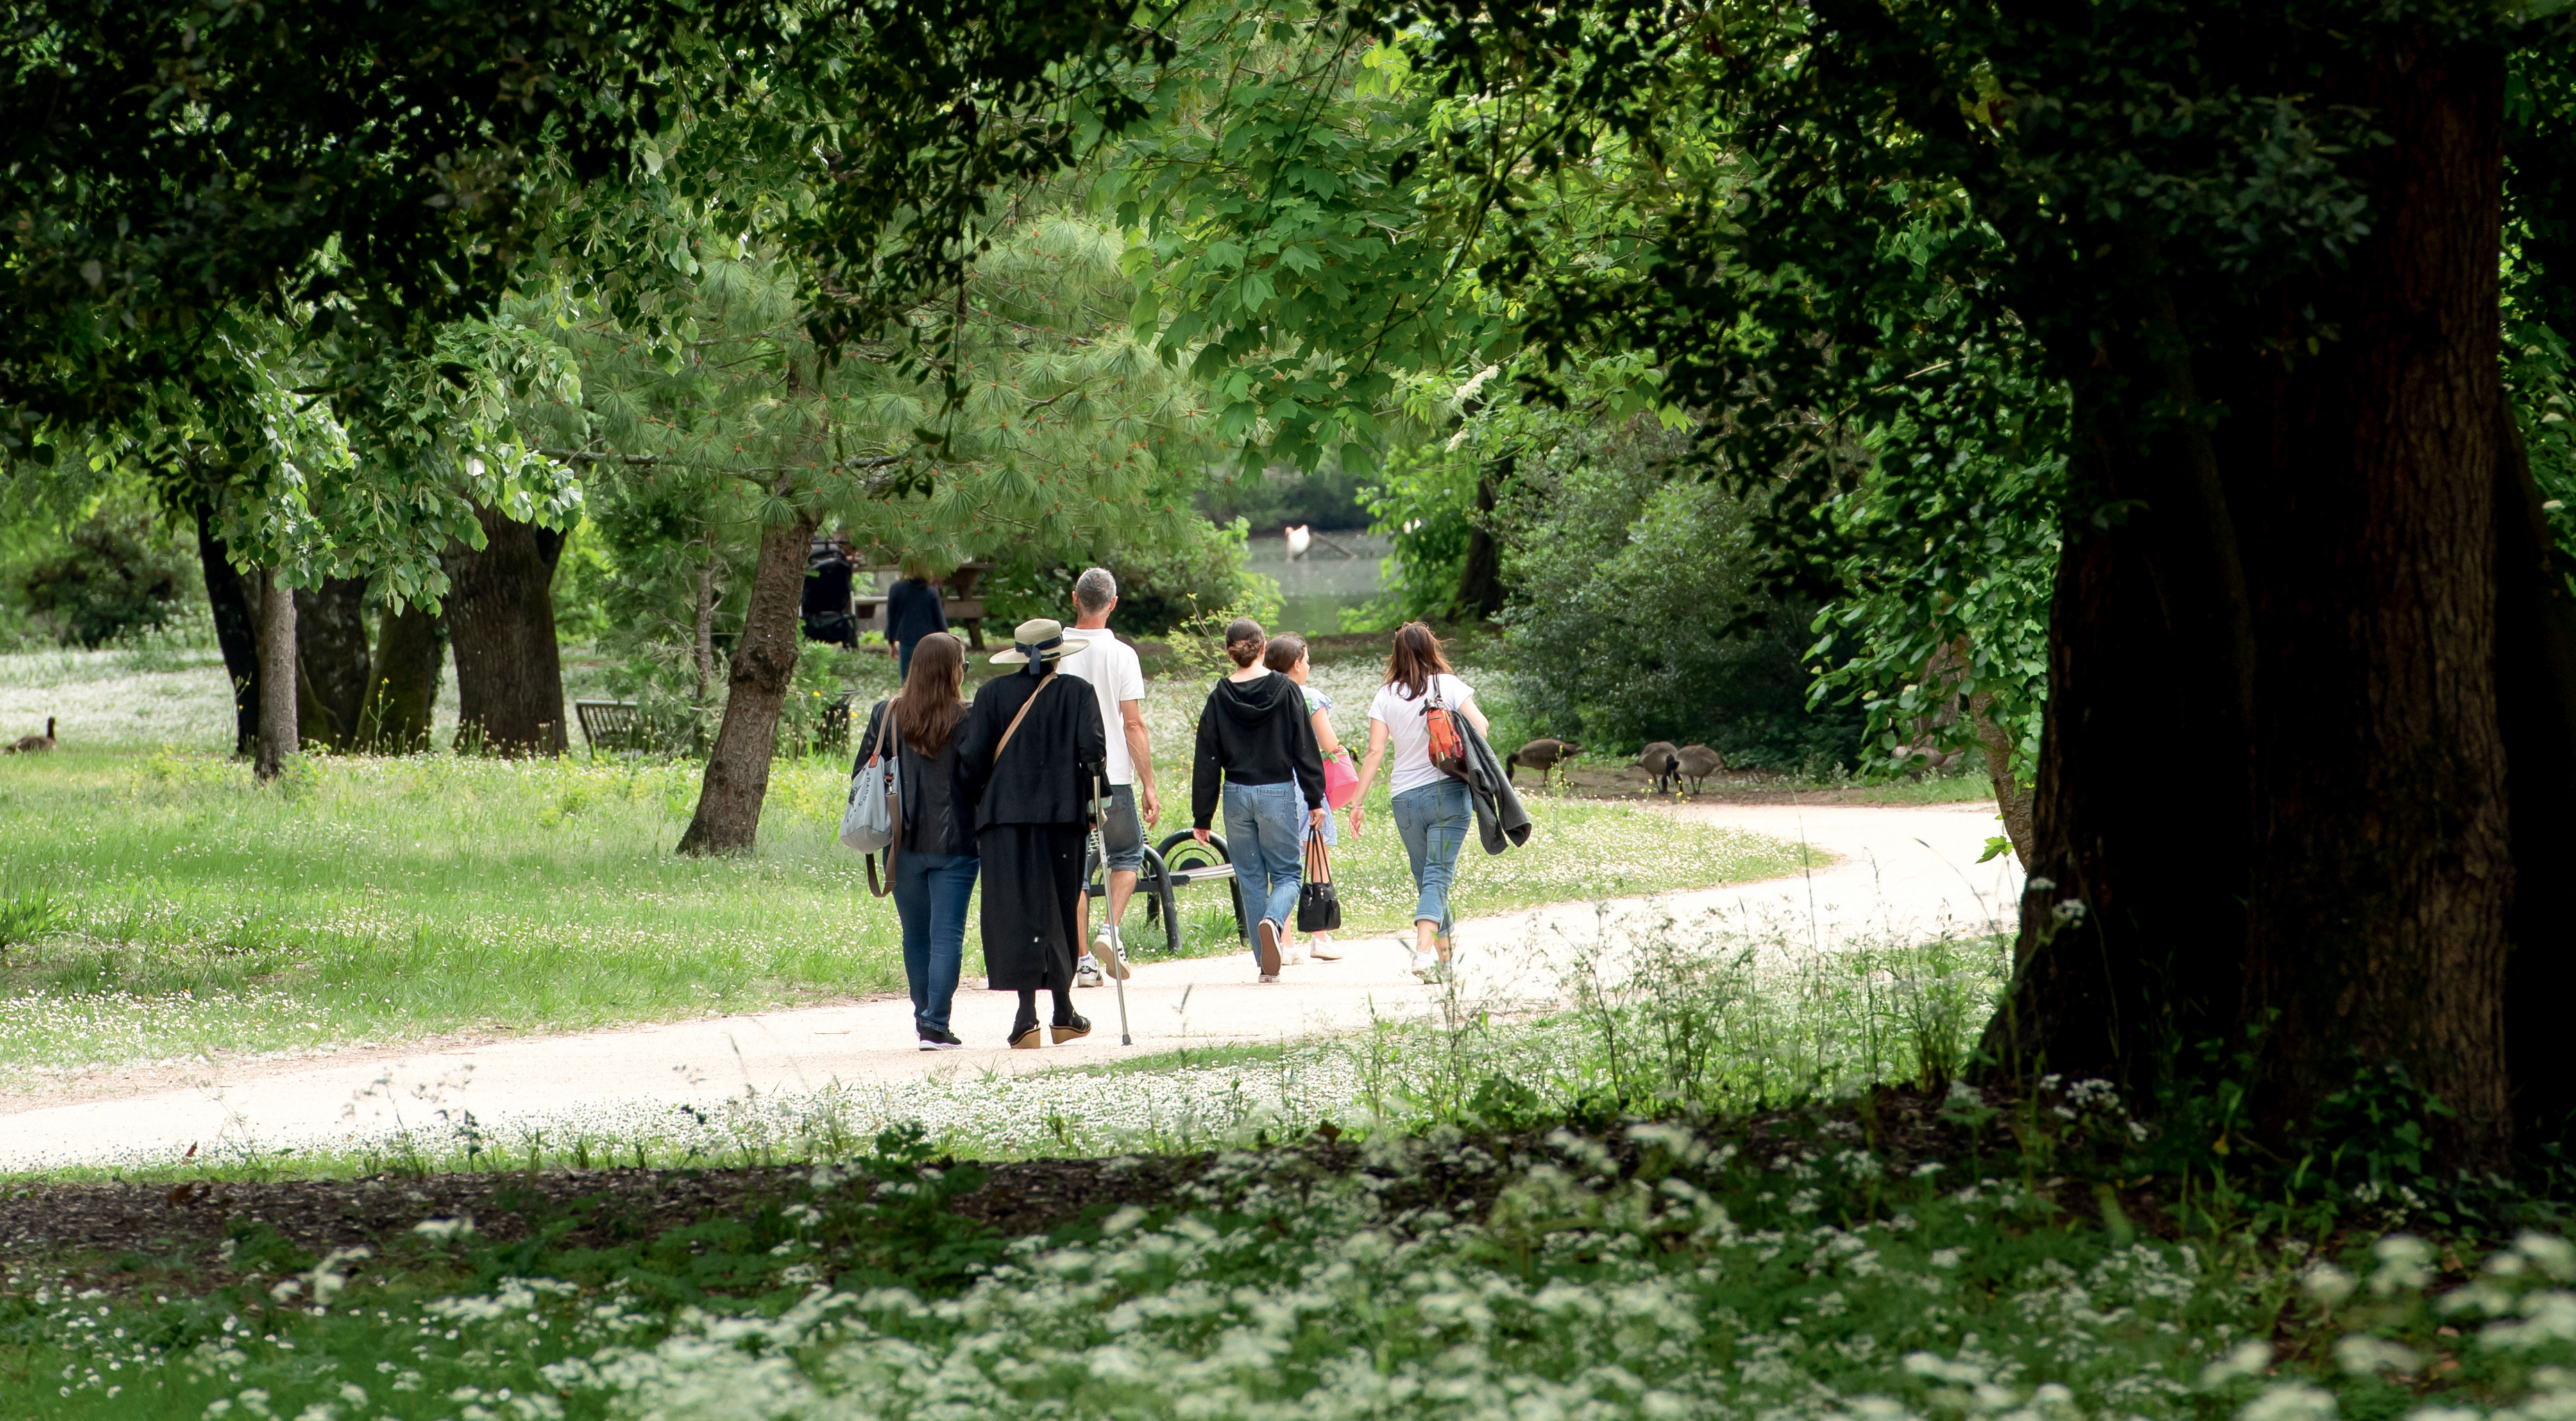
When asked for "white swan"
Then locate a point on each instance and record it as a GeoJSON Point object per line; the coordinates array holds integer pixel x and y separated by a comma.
{"type": "Point", "coordinates": [1299, 540]}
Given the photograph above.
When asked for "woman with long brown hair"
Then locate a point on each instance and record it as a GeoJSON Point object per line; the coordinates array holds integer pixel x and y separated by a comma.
{"type": "Point", "coordinates": [1431, 806]}
{"type": "Point", "coordinates": [935, 861]}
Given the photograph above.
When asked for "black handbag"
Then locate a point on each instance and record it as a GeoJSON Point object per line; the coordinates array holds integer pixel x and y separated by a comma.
{"type": "Point", "coordinates": [1319, 910]}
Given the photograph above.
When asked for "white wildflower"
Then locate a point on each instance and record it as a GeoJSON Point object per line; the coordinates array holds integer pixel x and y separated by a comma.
{"type": "Point", "coordinates": [2405, 1261]}
{"type": "Point", "coordinates": [2548, 1317]}
{"type": "Point", "coordinates": [2364, 1356]}
{"type": "Point", "coordinates": [2289, 1401]}
{"type": "Point", "coordinates": [2247, 1360]}
{"type": "Point", "coordinates": [2328, 1284]}
{"type": "Point", "coordinates": [2553, 1256]}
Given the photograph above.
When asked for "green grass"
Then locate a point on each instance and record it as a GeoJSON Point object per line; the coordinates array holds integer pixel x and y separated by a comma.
{"type": "Point", "coordinates": [364, 900]}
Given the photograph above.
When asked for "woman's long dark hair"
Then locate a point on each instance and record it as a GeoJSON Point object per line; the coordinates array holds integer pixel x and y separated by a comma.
{"type": "Point", "coordinates": [1415, 660]}
{"type": "Point", "coordinates": [932, 702]}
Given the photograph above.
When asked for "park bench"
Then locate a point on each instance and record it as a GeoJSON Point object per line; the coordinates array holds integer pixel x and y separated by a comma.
{"type": "Point", "coordinates": [616, 726]}
{"type": "Point", "coordinates": [1176, 863]}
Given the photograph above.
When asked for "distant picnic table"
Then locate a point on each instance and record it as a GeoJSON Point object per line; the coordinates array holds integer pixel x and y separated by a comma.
{"type": "Point", "coordinates": [835, 611]}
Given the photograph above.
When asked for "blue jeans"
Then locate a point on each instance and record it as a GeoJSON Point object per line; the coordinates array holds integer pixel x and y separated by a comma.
{"type": "Point", "coordinates": [1265, 835]}
{"type": "Point", "coordinates": [1433, 820]}
{"type": "Point", "coordinates": [930, 895]}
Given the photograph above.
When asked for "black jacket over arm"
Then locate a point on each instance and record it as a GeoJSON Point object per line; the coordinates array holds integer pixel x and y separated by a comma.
{"type": "Point", "coordinates": [1044, 775]}
{"type": "Point", "coordinates": [1501, 822]}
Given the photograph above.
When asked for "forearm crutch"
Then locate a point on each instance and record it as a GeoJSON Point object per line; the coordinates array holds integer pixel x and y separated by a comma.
{"type": "Point", "coordinates": [1101, 804]}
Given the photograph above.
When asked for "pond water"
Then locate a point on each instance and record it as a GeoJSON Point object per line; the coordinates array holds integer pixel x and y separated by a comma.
{"type": "Point", "coordinates": [1339, 570]}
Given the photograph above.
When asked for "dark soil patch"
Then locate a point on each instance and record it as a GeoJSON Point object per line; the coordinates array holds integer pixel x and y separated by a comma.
{"type": "Point", "coordinates": [607, 1206]}
{"type": "Point", "coordinates": [133, 1239]}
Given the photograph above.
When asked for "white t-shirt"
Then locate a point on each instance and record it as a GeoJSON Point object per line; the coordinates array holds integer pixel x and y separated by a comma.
{"type": "Point", "coordinates": [1110, 665]}
{"type": "Point", "coordinates": [1408, 751]}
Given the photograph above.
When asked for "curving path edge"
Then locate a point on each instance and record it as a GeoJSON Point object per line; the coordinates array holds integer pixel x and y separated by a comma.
{"type": "Point", "coordinates": [1899, 875]}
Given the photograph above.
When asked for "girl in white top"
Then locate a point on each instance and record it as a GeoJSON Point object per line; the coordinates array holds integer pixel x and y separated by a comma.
{"type": "Point", "coordinates": [1431, 809]}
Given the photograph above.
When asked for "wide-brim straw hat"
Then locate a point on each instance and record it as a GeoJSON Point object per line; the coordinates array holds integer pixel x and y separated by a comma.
{"type": "Point", "coordinates": [1038, 639]}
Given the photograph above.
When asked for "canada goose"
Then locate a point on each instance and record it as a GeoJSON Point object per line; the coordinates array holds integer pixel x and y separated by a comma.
{"type": "Point", "coordinates": [28, 745]}
{"type": "Point", "coordinates": [1300, 538]}
{"type": "Point", "coordinates": [1541, 755]}
{"type": "Point", "coordinates": [1696, 763]}
{"type": "Point", "coordinates": [1659, 761]}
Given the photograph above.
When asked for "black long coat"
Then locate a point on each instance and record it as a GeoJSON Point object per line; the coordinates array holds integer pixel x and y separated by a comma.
{"type": "Point", "coordinates": [1032, 807]}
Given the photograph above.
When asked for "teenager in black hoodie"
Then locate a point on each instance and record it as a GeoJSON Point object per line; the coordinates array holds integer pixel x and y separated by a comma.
{"type": "Point", "coordinates": [1254, 734]}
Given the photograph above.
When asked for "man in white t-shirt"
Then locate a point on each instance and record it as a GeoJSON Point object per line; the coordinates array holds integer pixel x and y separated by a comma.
{"type": "Point", "coordinates": [1118, 678]}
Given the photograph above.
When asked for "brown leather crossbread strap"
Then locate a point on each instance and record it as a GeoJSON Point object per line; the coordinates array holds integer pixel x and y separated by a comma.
{"type": "Point", "coordinates": [1014, 727]}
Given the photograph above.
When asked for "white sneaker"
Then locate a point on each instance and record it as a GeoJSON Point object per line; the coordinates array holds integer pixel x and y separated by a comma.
{"type": "Point", "coordinates": [1268, 978]}
{"type": "Point", "coordinates": [1087, 972]}
{"type": "Point", "coordinates": [1292, 954]}
{"type": "Point", "coordinates": [1320, 947]}
{"type": "Point", "coordinates": [1105, 960]}
{"type": "Point", "coordinates": [1430, 968]}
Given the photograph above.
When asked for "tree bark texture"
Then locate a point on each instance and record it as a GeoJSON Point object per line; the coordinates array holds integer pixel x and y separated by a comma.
{"type": "Point", "coordinates": [1480, 577]}
{"type": "Point", "coordinates": [236, 630]}
{"type": "Point", "coordinates": [702, 640]}
{"type": "Point", "coordinates": [757, 676]}
{"type": "Point", "coordinates": [501, 617]}
{"type": "Point", "coordinates": [2012, 797]}
{"type": "Point", "coordinates": [331, 657]}
{"type": "Point", "coordinates": [2323, 558]}
{"type": "Point", "coordinates": [402, 682]}
{"type": "Point", "coordinates": [279, 733]}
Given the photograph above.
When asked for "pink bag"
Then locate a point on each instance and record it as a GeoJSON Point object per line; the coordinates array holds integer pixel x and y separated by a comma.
{"type": "Point", "coordinates": [1341, 782]}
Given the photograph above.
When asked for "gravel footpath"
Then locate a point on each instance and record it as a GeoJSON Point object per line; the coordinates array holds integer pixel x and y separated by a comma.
{"type": "Point", "coordinates": [731, 1087]}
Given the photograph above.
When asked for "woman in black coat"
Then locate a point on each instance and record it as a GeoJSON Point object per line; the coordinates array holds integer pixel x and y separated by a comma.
{"type": "Point", "coordinates": [1032, 786]}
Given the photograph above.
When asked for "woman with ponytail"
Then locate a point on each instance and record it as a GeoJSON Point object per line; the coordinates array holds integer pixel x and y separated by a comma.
{"type": "Point", "coordinates": [1257, 746]}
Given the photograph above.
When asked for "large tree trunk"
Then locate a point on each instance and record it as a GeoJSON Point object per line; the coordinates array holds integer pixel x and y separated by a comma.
{"type": "Point", "coordinates": [279, 733]}
{"type": "Point", "coordinates": [2335, 891]}
{"type": "Point", "coordinates": [402, 682]}
{"type": "Point", "coordinates": [236, 629]}
{"type": "Point", "coordinates": [763, 662]}
{"type": "Point", "coordinates": [331, 656]}
{"type": "Point", "coordinates": [501, 616]}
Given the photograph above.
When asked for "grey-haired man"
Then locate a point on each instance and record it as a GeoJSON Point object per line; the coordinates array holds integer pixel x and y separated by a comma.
{"type": "Point", "coordinates": [1118, 678]}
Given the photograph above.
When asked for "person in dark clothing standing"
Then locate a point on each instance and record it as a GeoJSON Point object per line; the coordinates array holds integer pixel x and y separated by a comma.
{"type": "Point", "coordinates": [1254, 735]}
{"type": "Point", "coordinates": [934, 859]}
{"type": "Point", "coordinates": [1032, 754]}
{"type": "Point", "coordinates": [913, 610]}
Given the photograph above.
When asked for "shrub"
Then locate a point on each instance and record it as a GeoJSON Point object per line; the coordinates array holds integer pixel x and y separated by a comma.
{"type": "Point", "coordinates": [117, 572]}
{"type": "Point", "coordinates": [1638, 613]}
